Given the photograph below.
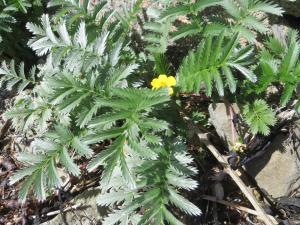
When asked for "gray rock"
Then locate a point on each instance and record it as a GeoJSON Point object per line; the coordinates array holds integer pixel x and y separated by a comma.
{"type": "Point", "coordinates": [221, 120]}
{"type": "Point", "coordinates": [291, 7]}
{"type": "Point", "coordinates": [88, 213]}
{"type": "Point", "coordinates": [277, 171]}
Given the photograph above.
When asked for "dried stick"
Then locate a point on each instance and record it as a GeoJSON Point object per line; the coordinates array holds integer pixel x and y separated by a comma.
{"type": "Point", "coordinates": [261, 212]}
{"type": "Point", "coordinates": [236, 206]}
{"type": "Point", "coordinates": [56, 212]}
{"type": "Point", "coordinates": [4, 129]}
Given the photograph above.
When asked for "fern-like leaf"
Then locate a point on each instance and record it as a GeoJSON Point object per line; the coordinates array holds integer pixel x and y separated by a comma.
{"type": "Point", "coordinates": [16, 79]}
{"type": "Point", "coordinates": [259, 117]}
{"type": "Point", "coordinates": [211, 62]}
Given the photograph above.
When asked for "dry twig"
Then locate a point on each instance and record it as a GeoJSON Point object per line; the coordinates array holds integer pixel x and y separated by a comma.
{"type": "Point", "coordinates": [260, 211]}
{"type": "Point", "coordinates": [236, 206]}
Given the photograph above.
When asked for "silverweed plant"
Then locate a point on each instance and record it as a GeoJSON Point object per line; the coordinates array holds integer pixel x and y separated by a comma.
{"type": "Point", "coordinates": [94, 86]}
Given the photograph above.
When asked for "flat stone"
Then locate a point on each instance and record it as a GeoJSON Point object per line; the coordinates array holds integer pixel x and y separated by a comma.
{"type": "Point", "coordinates": [277, 171]}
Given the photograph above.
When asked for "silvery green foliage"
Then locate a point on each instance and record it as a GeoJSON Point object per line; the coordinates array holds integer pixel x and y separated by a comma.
{"type": "Point", "coordinates": [160, 181]}
{"type": "Point", "coordinates": [75, 51]}
{"type": "Point", "coordinates": [82, 95]}
{"type": "Point", "coordinates": [41, 173]}
{"type": "Point", "coordinates": [39, 105]}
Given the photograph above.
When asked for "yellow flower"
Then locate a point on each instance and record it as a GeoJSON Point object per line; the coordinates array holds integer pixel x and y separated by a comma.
{"type": "Point", "coordinates": [163, 81]}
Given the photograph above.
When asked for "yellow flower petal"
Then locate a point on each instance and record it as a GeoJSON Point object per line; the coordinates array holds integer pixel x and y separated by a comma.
{"type": "Point", "coordinates": [171, 81]}
{"type": "Point", "coordinates": [163, 80]}
{"type": "Point", "coordinates": [155, 83]}
{"type": "Point", "coordinates": [162, 77]}
{"type": "Point", "coordinates": [171, 91]}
